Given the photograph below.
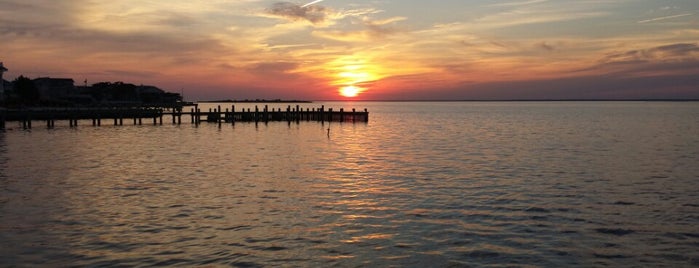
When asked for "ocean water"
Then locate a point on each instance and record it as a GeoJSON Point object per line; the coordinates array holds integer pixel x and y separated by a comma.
{"type": "Point", "coordinates": [422, 184]}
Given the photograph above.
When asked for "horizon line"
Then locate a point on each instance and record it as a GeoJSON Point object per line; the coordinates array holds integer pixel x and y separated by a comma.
{"type": "Point", "coordinates": [462, 100]}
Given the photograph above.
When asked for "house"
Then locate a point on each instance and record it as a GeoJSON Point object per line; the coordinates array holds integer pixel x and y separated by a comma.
{"type": "Point", "coordinates": [54, 88]}
{"type": "Point", "coordinates": [154, 95]}
{"type": "Point", "coordinates": [119, 93]}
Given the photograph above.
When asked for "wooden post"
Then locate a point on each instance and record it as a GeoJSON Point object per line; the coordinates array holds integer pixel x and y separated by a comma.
{"type": "Point", "coordinates": [266, 114]}
{"type": "Point", "coordinates": [195, 113]}
{"type": "Point", "coordinates": [218, 116]}
{"type": "Point", "coordinates": [322, 110]}
{"type": "Point", "coordinates": [257, 114]}
{"type": "Point", "coordinates": [197, 119]}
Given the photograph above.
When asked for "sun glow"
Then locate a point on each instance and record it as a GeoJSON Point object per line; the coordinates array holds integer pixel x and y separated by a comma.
{"type": "Point", "coordinates": [350, 91]}
{"type": "Point", "coordinates": [354, 75]}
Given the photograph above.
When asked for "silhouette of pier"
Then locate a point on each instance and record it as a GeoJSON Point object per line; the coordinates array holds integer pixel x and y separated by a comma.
{"type": "Point", "coordinates": [156, 115]}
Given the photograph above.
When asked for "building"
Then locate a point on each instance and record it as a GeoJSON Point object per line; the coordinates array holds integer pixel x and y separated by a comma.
{"type": "Point", "coordinates": [151, 95]}
{"type": "Point", "coordinates": [54, 88]}
{"type": "Point", "coordinates": [2, 81]}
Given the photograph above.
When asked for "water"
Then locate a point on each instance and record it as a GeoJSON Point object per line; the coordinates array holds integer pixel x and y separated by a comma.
{"type": "Point", "coordinates": [422, 184]}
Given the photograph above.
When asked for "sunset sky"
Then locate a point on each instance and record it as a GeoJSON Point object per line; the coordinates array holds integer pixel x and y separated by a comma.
{"type": "Point", "coordinates": [378, 49]}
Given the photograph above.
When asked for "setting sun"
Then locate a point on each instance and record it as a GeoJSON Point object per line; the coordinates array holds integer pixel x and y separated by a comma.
{"type": "Point", "coordinates": [353, 75]}
{"type": "Point", "coordinates": [350, 91]}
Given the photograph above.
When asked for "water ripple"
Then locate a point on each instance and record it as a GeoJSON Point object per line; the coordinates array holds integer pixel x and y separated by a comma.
{"type": "Point", "coordinates": [420, 185]}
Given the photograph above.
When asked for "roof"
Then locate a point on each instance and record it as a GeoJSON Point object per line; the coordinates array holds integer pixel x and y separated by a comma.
{"type": "Point", "coordinates": [150, 89]}
{"type": "Point", "coordinates": [54, 79]}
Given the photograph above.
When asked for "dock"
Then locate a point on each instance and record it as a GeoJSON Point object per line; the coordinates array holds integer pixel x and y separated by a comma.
{"type": "Point", "coordinates": [138, 115]}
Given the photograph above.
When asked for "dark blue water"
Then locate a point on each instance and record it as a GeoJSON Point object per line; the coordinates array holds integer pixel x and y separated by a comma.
{"type": "Point", "coordinates": [422, 184]}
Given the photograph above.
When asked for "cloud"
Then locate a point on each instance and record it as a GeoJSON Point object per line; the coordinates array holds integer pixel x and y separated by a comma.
{"type": "Point", "coordinates": [528, 17]}
{"type": "Point", "coordinates": [545, 46]}
{"type": "Point", "coordinates": [314, 14]}
{"type": "Point", "coordinates": [381, 27]}
{"type": "Point", "coordinates": [518, 3]}
{"type": "Point", "coordinates": [591, 87]}
{"type": "Point", "coordinates": [372, 30]}
{"type": "Point", "coordinates": [28, 17]}
{"type": "Point", "coordinates": [673, 86]}
{"type": "Point", "coordinates": [36, 10]}
{"type": "Point", "coordinates": [124, 73]}
{"type": "Point", "coordinates": [274, 69]}
{"type": "Point", "coordinates": [681, 49]}
{"type": "Point", "coordinates": [660, 53]}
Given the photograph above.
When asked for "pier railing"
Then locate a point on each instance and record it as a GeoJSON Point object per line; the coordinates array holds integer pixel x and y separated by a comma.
{"type": "Point", "coordinates": [218, 115]}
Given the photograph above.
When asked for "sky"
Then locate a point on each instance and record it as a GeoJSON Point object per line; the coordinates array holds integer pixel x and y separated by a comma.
{"type": "Point", "coordinates": [364, 50]}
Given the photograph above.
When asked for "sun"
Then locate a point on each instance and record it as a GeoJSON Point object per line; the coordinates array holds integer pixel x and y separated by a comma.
{"type": "Point", "coordinates": [350, 91]}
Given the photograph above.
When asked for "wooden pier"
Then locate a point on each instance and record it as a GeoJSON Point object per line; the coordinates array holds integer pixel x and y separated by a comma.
{"type": "Point", "coordinates": [156, 114]}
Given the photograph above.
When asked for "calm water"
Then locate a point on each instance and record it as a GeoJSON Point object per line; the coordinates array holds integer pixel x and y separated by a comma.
{"type": "Point", "coordinates": [422, 184]}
